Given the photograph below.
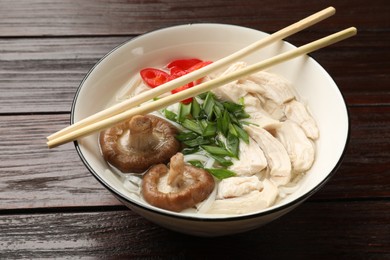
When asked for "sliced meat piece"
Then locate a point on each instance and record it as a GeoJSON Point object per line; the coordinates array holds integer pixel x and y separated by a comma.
{"type": "Point", "coordinates": [230, 92]}
{"type": "Point", "coordinates": [252, 159]}
{"type": "Point", "coordinates": [273, 109]}
{"type": "Point", "coordinates": [258, 115]}
{"type": "Point", "coordinates": [270, 86]}
{"type": "Point", "coordinates": [300, 149]}
{"type": "Point", "coordinates": [238, 186]}
{"type": "Point", "coordinates": [297, 112]}
{"type": "Point", "coordinates": [278, 160]}
{"type": "Point", "coordinates": [234, 67]}
{"type": "Point", "coordinates": [251, 202]}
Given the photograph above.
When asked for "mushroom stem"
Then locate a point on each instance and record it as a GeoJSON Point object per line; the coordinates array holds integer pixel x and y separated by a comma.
{"type": "Point", "coordinates": [195, 185]}
{"type": "Point", "coordinates": [141, 136]}
{"type": "Point", "coordinates": [176, 170]}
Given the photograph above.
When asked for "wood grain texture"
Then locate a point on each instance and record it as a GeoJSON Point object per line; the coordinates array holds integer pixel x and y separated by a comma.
{"type": "Point", "coordinates": [32, 176]}
{"type": "Point", "coordinates": [57, 178]}
{"type": "Point", "coordinates": [346, 231]}
{"type": "Point", "coordinates": [51, 206]}
{"type": "Point", "coordinates": [121, 17]}
{"type": "Point", "coordinates": [43, 74]}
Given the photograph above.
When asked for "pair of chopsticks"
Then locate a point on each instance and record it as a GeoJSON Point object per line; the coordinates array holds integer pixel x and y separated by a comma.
{"type": "Point", "coordinates": [127, 109]}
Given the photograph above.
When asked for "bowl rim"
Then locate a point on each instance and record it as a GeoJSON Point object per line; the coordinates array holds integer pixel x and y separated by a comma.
{"type": "Point", "coordinates": [204, 218]}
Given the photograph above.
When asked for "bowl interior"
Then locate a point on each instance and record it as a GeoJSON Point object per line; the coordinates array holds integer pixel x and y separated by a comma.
{"type": "Point", "coordinates": [211, 42]}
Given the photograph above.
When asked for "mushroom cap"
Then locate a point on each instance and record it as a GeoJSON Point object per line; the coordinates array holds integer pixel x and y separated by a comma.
{"type": "Point", "coordinates": [116, 150]}
{"type": "Point", "coordinates": [185, 197]}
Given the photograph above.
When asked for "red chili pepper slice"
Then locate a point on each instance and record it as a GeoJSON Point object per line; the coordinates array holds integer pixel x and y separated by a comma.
{"type": "Point", "coordinates": [184, 64]}
{"type": "Point", "coordinates": [198, 66]}
{"type": "Point", "coordinates": [154, 77]}
{"type": "Point", "coordinates": [189, 85]}
{"type": "Point", "coordinates": [177, 72]}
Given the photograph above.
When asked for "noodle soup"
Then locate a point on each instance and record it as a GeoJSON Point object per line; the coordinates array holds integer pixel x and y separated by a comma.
{"type": "Point", "coordinates": [112, 78]}
{"type": "Point", "coordinates": [254, 136]}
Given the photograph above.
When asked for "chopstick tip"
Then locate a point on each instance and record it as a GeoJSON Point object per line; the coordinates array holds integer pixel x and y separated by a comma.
{"type": "Point", "coordinates": [332, 9]}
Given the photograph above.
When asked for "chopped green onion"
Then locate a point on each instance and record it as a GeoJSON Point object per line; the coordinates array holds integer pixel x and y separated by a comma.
{"type": "Point", "coordinates": [210, 129]}
{"type": "Point", "coordinates": [190, 150]}
{"type": "Point", "coordinates": [220, 140]}
{"type": "Point", "coordinates": [225, 122]}
{"type": "Point", "coordinates": [195, 110]}
{"type": "Point", "coordinates": [241, 101]}
{"type": "Point", "coordinates": [221, 173]}
{"type": "Point", "coordinates": [232, 107]}
{"type": "Point", "coordinates": [241, 114]}
{"type": "Point", "coordinates": [213, 125]}
{"type": "Point", "coordinates": [234, 119]}
{"type": "Point", "coordinates": [217, 111]}
{"type": "Point", "coordinates": [203, 95]}
{"type": "Point", "coordinates": [208, 105]}
{"type": "Point", "coordinates": [232, 144]}
{"type": "Point", "coordinates": [196, 163]}
{"type": "Point", "coordinates": [170, 115]}
{"type": "Point", "coordinates": [184, 111]}
{"type": "Point", "coordinates": [216, 150]}
{"type": "Point", "coordinates": [242, 134]}
{"type": "Point", "coordinates": [232, 130]}
{"type": "Point", "coordinates": [222, 160]}
{"type": "Point", "coordinates": [192, 125]}
{"type": "Point", "coordinates": [249, 123]}
{"type": "Point", "coordinates": [219, 105]}
{"type": "Point", "coordinates": [200, 140]}
{"type": "Point", "coordinates": [184, 136]}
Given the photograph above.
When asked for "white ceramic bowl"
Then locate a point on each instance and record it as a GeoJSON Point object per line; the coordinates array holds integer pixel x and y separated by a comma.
{"type": "Point", "coordinates": [212, 42]}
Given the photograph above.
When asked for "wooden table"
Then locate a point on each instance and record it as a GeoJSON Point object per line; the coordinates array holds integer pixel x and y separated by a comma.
{"type": "Point", "coordinates": [51, 206]}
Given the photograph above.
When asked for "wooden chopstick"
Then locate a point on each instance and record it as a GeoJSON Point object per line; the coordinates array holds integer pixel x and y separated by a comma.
{"type": "Point", "coordinates": [201, 88]}
{"type": "Point", "coordinates": [165, 88]}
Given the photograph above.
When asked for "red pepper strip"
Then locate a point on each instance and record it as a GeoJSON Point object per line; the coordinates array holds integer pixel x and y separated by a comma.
{"type": "Point", "coordinates": [183, 64]}
{"type": "Point", "coordinates": [177, 72]}
{"type": "Point", "coordinates": [198, 66]}
{"type": "Point", "coordinates": [189, 85]}
{"type": "Point", "coordinates": [154, 77]}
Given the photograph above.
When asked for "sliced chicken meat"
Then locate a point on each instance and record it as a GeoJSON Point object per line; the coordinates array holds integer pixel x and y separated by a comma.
{"type": "Point", "coordinates": [252, 159]}
{"type": "Point", "coordinates": [297, 112]}
{"type": "Point", "coordinates": [270, 86]}
{"type": "Point", "coordinates": [298, 146]}
{"type": "Point", "coordinates": [273, 109]}
{"type": "Point", "coordinates": [234, 67]}
{"type": "Point", "coordinates": [258, 116]}
{"type": "Point", "coordinates": [230, 92]}
{"type": "Point", "coordinates": [238, 186]}
{"type": "Point", "coordinates": [250, 202]}
{"type": "Point", "coordinates": [279, 164]}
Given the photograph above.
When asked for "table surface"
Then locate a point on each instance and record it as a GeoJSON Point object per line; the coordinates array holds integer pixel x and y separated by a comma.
{"type": "Point", "coordinates": [51, 206]}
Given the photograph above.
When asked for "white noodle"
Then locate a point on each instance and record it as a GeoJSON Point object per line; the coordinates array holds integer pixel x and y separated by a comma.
{"type": "Point", "coordinates": [205, 205]}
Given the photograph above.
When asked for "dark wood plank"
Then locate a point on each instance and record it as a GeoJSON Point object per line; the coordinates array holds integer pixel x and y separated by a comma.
{"type": "Point", "coordinates": [51, 207]}
{"type": "Point", "coordinates": [120, 17]}
{"type": "Point", "coordinates": [354, 230]}
{"type": "Point", "coordinates": [365, 171]}
{"type": "Point", "coordinates": [33, 176]}
{"type": "Point", "coordinates": [43, 74]}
